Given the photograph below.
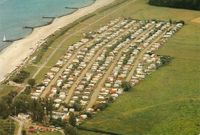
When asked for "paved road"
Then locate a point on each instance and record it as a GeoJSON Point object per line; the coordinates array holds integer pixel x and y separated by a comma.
{"type": "Point", "coordinates": [21, 123]}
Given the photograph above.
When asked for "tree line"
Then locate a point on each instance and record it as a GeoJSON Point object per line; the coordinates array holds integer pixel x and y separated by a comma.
{"type": "Point", "coordinates": [187, 4]}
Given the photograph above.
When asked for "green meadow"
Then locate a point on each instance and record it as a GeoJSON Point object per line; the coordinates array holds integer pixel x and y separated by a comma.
{"type": "Point", "coordinates": [167, 101]}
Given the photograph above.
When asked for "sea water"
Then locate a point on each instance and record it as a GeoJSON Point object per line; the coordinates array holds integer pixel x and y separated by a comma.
{"type": "Point", "coordinates": [16, 14]}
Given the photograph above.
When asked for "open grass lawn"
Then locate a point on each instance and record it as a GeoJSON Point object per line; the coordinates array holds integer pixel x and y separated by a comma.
{"type": "Point", "coordinates": [168, 101]}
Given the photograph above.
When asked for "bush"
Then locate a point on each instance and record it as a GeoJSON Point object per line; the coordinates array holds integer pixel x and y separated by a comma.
{"type": "Point", "coordinates": [111, 100]}
{"type": "Point", "coordinates": [89, 115]}
{"type": "Point", "coordinates": [58, 122]}
{"type": "Point", "coordinates": [77, 107]}
{"type": "Point", "coordinates": [23, 132]}
{"type": "Point", "coordinates": [165, 60]}
{"type": "Point", "coordinates": [70, 130]}
{"type": "Point", "coordinates": [31, 82]}
{"type": "Point", "coordinates": [21, 76]}
{"type": "Point", "coordinates": [72, 119]}
{"type": "Point", "coordinates": [27, 90]}
{"type": "Point", "coordinates": [100, 106]}
{"type": "Point", "coordinates": [5, 112]}
{"type": "Point", "coordinates": [126, 86]}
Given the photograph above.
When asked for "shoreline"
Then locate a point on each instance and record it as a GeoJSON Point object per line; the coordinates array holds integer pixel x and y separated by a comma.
{"type": "Point", "coordinates": [51, 18]}
{"type": "Point", "coordinates": [16, 53]}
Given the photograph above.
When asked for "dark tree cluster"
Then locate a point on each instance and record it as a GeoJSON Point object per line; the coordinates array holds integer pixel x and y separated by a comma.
{"type": "Point", "coordinates": [13, 105]}
{"type": "Point", "coordinates": [164, 60]}
{"type": "Point", "coordinates": [100, 106]}
{"type": "Point", "coordinates": [21, 76]}
{"type": "Point", "coordinates": [31, 82]}
{"type": "Point", "coordinates": [126, 86]}
{"type": "Point", "coordinates": [6, 103]}
{"type": "Point", "coordinates": [187, 4]}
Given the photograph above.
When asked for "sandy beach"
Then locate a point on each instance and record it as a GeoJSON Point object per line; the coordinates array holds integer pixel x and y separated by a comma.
{"type": "Point", "coordinates": [17, 52]}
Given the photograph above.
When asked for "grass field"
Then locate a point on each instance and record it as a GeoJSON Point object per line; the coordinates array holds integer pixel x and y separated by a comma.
{"type": "Point", "coordinates": [166, 102]}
